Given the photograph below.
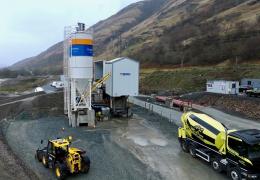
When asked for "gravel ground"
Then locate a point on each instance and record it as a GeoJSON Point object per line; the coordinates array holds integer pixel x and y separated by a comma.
{"type": "Point", "coordinates": [11, 167]}
{"type": "Point", "coordinates": [109, 161]}
{"type": "Point", "coordinates": [143, 147]}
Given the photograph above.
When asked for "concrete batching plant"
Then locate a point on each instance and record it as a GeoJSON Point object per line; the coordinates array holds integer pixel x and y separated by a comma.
{"type": "Point", "coordinates": [78, 74]}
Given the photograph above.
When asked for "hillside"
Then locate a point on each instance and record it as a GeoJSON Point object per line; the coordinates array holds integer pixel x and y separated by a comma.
{"type": "Point", "coordinates": [50, 61]}
{"type": "Point", "coordinates": [168, 32]}
{"type": "Point", "coordinates": [192, 79]}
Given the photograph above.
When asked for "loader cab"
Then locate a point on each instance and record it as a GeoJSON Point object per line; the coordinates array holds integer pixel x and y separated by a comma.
{"type": "Point", "coordinates": [57, 149]}
{"type": "Point", "coordinates": [244, 146]}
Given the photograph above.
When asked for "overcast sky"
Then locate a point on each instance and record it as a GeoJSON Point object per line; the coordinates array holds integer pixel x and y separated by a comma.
{"type": "Point", "coordinates": [28, 27]}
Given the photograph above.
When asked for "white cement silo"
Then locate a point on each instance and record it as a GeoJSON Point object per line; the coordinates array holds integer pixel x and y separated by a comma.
{"type": "Point", "coordinates": [78, 72]}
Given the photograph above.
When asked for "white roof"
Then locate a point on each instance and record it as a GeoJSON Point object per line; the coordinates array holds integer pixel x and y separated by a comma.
{"type": "Point", "coordinates": [209, 81]}
{"type": "Point", "coordinates": [119, 59]}
{"type": "Point", "coordinates": [99, 61]}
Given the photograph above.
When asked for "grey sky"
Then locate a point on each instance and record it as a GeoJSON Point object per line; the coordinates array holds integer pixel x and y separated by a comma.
{"type": "Point", "coordinates": [28, 27]}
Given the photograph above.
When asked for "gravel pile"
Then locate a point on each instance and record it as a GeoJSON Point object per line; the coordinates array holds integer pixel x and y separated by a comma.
{"type": "Point", "coordinates": [248, 107]}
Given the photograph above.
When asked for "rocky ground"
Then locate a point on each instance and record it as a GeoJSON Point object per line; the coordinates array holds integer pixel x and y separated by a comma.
{"type": "Point", "coordinates": [248, 107]}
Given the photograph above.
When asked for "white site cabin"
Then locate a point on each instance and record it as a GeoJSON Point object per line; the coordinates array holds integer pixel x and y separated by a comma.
{"type": "Point", "coordinates": [223, 87]}
{"type": "Point", "coordinates": [124, 79]}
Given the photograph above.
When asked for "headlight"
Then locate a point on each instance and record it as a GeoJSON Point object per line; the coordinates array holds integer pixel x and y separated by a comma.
{"type": "Point", "coordinates": [252, 176]}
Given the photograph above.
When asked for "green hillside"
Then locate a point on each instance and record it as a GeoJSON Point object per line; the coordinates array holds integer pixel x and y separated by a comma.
{"type": "Point", "coordinates": [191, 79]}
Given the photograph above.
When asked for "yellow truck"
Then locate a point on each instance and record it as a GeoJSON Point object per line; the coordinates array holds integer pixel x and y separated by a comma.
{"type": "Point", "coordinates": [236, 152]}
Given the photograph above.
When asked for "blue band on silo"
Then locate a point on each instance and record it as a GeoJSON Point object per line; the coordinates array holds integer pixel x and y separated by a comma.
{"type": "Point", "coordinates": [81, 50]}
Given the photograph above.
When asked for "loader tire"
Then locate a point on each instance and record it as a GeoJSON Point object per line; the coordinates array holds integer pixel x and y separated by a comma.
{"type": "Point", "coordinates": [37, 156]}
{"type": "Point", "coordinates": [60, 171]}
{"type": "Point", "coordinates": [45, 161]}
{"type": "Point", "coordinates": [85, 164]}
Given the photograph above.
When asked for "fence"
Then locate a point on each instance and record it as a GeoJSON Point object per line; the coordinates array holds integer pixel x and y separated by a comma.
{"type": "Point", "coordinates": [172, 115]}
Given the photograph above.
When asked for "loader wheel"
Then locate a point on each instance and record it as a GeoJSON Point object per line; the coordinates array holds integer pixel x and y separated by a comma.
{"type": "Point", "coordinates": [85, 164]}
{"type": "Point", "coordinates": [184, 146]}
{"type": "Point", "coordinates": [45, 161]}
{"type": "Point", "coordinates": [216, 165]}
{"type": "Point", "coordinates": [192, 151]}
{"type": "Point", "coordinates": [37, 156]}
{"type": "Point", "coordinates": [234, 173]}
{"type": "Point", "coordinates": [60, 171]}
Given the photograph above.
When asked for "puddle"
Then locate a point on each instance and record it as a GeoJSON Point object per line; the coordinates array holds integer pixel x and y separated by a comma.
{"type": "Point", "coordinates": [158, 142]}
{"type": "Point", "coordinates": [139, 140]}
{"type": "Point", "coordinates": [143, 141]}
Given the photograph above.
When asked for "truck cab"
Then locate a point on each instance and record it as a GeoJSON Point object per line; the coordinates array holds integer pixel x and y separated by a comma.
{"type": "Point", "coordinates": [243, 147]}
{"type": "Point", "coordinates": [235, 151]}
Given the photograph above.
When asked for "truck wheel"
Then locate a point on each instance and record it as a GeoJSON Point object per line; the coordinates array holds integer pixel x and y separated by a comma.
{"type": "Point", "coordinates": [235, 174]}
{"type": "Point", "coordinates": [60, 171]}
{"type": "Point", "coordinates": [192, 151]}
{"type": "Point", "coordinates": [216, 165]}
{"type": "Point", "coordinates": [45, 161]}
{"type": "Point", "coordinates": [85, 164]}
{"type": "Point", "coordinates": [184, 146]}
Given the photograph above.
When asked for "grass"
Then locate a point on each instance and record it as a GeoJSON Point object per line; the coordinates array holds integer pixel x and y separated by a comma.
{"type": "Point", "coordinates": [192, 79]}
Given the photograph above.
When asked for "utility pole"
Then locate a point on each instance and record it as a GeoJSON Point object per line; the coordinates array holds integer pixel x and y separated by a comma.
{"type": "Point", "coordinates": [183, 55]}
{"type": "Point", "coordinates": [182, 59]}
{"type": "Point", "coordinates": [120, 44]}
{"type": "Point", "coordinates": [236, 62]}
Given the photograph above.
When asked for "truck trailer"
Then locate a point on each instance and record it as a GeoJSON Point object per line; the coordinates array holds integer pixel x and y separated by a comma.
{"type": "Point", "coordinates": [236, 152]}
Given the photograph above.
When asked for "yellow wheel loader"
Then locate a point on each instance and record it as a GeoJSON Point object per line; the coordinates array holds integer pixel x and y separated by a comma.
{"type": "Point", "coordinates": [65, 160]}
{"type": "Point", "coordinates": [236, 152]}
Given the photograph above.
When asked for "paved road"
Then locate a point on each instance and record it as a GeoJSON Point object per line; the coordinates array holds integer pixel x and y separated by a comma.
{"type": "Point", "coordinates": [2, 80]}
{"type": "Point", "coordinates": [49, 89]}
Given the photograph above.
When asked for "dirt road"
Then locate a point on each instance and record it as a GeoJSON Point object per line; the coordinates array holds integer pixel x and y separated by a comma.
{"type": "Point", "coordinates": [144, 147]}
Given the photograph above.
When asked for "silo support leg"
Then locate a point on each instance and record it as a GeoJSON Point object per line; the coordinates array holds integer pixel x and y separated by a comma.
{"type": "Point", "coordinates": [73, 120]}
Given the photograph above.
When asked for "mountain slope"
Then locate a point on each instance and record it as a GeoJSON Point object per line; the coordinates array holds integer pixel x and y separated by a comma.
{"type": "Point", "coordinates": [50, 61]}
{"type": "Point", "coordinates": [168, 32]}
